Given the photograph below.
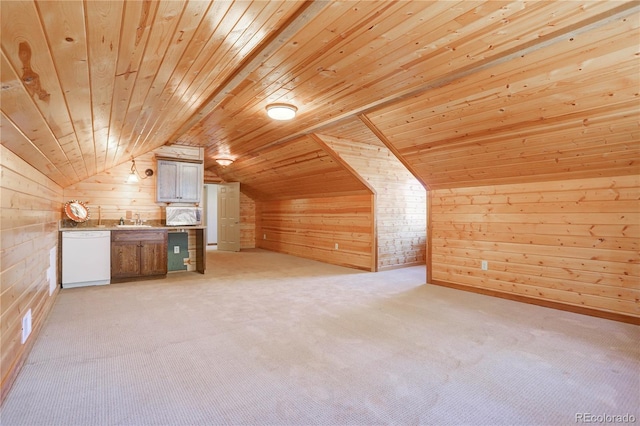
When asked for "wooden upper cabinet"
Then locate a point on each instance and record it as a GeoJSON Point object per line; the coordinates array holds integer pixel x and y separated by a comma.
{"type": "Point", "coordinates": [179, 182]}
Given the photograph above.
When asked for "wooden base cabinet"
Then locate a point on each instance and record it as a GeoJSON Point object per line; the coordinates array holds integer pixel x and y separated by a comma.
{"type": "Point", "coordinates": [138, 254]}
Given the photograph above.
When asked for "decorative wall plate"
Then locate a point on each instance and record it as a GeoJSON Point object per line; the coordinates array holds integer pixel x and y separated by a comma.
{"type": "Point", "coordinates": [76, 211]}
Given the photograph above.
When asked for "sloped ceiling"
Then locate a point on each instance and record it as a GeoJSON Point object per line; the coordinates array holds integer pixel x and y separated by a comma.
{"type": "Point", "coordinates": [464, 93]}
{"type": "Point", "coordinates": [297, 169]}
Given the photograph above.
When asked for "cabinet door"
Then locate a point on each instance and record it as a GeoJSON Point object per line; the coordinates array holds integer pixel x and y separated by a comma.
{"type": "Point", "coordinates": [191, 182]}
{"type": "Point", "coordinates": [167, 183]}
{"type": "Point", "coordinates": [179, 182]}
{"type": "Point", "coordinates": [125, 259]}
{"type": "Point", "coordinates": [153, 258]}
{"type": "Point", "coordinates": [139, 253]}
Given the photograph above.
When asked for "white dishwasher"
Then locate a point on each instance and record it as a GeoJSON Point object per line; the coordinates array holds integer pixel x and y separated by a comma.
{"type": "Point", "coordinates": [86, 258]}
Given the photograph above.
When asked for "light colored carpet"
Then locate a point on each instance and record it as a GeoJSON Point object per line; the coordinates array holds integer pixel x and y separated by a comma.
{"type": "Point", "coordinates": [265, 338]}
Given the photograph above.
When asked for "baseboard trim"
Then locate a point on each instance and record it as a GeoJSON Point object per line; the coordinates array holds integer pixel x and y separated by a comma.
{"type": "Point", "coordinates": [404, 265]}
{"type": "Point", "coordinates": [545, 303]}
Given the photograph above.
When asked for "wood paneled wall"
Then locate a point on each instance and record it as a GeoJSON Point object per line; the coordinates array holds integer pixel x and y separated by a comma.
{"type": "Point", "coordinates": [574, 242]}
{"type": "Point", "coordinates": [312, 227]}
{"type": "Point", "coordinates": [401, 217]}
{"type": "Point", "coordinates": [116, 198]}
{"type": "Point", "coordinates": [247, 221]}
{"type": "Point", "coordinates": [30, 211]}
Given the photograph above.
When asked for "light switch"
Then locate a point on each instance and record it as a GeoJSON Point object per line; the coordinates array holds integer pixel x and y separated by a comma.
{"type": "Point", "coordinates": [176, 249]}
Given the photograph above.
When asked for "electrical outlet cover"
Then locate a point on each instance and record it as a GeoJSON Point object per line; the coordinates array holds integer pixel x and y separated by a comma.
{"type": "Point", "coordinates": [26, 326]}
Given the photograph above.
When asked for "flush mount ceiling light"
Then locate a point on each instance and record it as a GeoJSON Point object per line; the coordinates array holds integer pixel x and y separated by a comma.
{"type": "Point", "coordinates": [224, 162]}
{"type": "Point", "coordinates": [134, 177]}
{"type": "Point", "coordinates": [281, 111]}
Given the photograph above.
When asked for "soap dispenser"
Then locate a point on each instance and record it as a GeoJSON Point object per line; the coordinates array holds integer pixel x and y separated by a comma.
{"type": "Point", "coordinates": [121, 221]}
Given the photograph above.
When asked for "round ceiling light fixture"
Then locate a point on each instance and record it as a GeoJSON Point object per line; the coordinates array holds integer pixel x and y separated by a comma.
{"type": "Point", "coordinates": [224, 162]}
{"type": "Point", "coordinates": [281, 111]}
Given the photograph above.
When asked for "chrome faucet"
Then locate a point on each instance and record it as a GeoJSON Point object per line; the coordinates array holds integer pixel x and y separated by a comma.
{"type": "Point", "coordinates": [138, 221]}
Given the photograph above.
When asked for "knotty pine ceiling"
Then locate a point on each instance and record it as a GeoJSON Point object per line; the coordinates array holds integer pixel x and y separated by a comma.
{"type": "Point", "coordinates": [464, 92]}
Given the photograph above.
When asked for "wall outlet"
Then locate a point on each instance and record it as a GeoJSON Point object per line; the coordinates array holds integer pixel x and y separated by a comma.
{"type": "Point", "coordinates": [336, 246]}
{"type": "Point", "coordinates": [26, 326]}
{"type": "Point", "coordinates": [484, 265]}
{"type": "Point", "coordinates": [176, 249]}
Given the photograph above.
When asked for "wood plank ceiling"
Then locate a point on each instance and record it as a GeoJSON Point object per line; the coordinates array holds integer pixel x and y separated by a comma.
{"type": "Point", "coordinates": [464, 93]}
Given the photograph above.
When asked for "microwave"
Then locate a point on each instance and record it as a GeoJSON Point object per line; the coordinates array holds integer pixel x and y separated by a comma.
{"type": "Point", "coordinates": [183, 216]}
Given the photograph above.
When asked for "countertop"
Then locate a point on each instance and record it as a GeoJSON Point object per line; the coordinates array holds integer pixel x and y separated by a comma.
{"type": "Point", "coordinates": [112, 226]}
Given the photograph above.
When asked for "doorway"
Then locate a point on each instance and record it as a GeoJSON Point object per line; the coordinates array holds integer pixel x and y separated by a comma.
{"type": "Point", "coordinates": [211, 213]}
{"type": "Point", "coordinates": [222, 215]}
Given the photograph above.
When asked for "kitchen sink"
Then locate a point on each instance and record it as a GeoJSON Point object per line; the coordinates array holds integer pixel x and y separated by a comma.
{"type": "Point", "coordinates": [133, 226]}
